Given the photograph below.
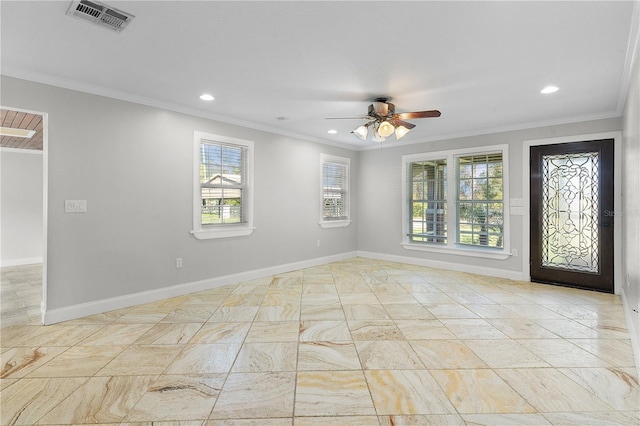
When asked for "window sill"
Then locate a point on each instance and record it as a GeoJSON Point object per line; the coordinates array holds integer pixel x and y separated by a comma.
{"type": "Point", "coordinates": [208, 234]}
{"type": "Point", "coordinates": [334, 223]}
{"type": "Point", "coordinates": [471, 252]}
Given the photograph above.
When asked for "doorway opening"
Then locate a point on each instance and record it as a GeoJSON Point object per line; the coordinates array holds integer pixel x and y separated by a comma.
{"type": "Point", "coordinates": [23, 260]}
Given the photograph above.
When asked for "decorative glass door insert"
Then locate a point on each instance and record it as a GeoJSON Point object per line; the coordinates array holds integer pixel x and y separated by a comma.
{"type": "Point", "coordinates": [570, 223]}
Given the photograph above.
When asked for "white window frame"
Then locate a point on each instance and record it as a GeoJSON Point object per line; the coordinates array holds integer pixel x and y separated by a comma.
{"type": "Point", "coordinates": [204, 232]}
{"type": "Point", "coordinates": [346, 162]}
{"type": "Point", "coordinates": [451, 246]}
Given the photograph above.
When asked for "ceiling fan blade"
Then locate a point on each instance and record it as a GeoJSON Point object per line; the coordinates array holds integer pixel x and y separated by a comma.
{"type": "Point", "coordinates": [418, 114]}
{"type": "Point", "coordinates": [397, 122]}
{"type": "Point", "coordinates": [366, 117]}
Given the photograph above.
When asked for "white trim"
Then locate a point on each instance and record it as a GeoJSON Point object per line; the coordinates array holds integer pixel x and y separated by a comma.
{"type": "Point", "coordinates": [225, 231]}
{"type": "Point", "coordinates": [633, 333]}
{"type": "Point", "coordinates": [207, 234]}
{"type": "Point", "coordinates": [355, 145]}
{"type": "Point", "coordinates": [21, 150]}
{"type": "Point", "coordinates": [493, 130]}
{"type": "Point", "coordinates": [467, 251]}
{"type": "Point", "coordinates": [327, 224]}
{"type": "Point", "coordinates": [20, 262]}
{"type": "Point", "coordinates": [459, 267]}
{"type": "Point", "coordinates": [452, 247]}
{"type": "Point", "coordinates": [617, 197]}
{"type": "Point", "coordinates": [45, 214]}
{"type": "Point", "coordinates": [106, 92]}
{"type": "Point", "coordinates": [632, 51]}
{"type": "Point", "coordinates": [99, 306]}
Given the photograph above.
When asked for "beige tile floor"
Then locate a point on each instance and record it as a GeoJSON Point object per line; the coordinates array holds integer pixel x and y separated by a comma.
{"type": "Point", "coordinates": [356, 342]}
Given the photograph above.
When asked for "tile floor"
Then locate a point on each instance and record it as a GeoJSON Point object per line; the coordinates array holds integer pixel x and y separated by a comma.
{"type": "Point", "coordinates": [356, 342]}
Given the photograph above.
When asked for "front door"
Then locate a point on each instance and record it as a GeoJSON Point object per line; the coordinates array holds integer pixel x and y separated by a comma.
{"type": "Point", "coordinates": [572, 214]}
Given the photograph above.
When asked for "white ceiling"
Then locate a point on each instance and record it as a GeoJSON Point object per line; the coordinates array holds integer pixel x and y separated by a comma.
{"type": "Point", "coordinates": [482, 64]}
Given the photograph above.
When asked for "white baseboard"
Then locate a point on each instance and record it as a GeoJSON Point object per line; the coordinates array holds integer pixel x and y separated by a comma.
{"type": "Point", "coordinates": [634, 334]}
{"type": "Point", "coordinates": [20, 262]}
{"type": "Point", "coordinates": [53, 316]}
{"type": "Point", "coordinates": [460, 267]}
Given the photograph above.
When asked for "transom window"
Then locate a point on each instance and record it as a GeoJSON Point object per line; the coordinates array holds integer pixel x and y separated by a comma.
{"type": "Point", "coordinates": [454, 200]}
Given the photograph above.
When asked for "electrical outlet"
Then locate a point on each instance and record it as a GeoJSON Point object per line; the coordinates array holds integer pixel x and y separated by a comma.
{"type": "Point", "coordinates": [514, 252]}
{"type": "Point", "coordinates": [178, 262]}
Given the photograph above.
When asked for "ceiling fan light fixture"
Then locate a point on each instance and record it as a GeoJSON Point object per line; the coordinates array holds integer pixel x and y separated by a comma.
{"type": "Point", "coordinates": [377, 137]}
{"type": "Point", "coordinates": [401, 131]}
{"type": "Point", "coordinates": [361, 132]}
{"type": "Point", "coordinates": [384, 121]}
{"type": "Point", "coordinates": [386, 129]}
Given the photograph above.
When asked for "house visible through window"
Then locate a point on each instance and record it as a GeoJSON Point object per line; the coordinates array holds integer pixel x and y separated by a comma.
{"type": "Point", "coordinates": [222, 190]}
{"type": "Point", "coordinates": [335, 191]}
{"type": "Point", "coordinates": [459, 210]}
{"type": "Point", "coordinates": [222, 183]}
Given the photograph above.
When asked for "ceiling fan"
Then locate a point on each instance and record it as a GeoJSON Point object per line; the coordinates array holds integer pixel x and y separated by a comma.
{"type": "Point", "coordinates": [384, 120]}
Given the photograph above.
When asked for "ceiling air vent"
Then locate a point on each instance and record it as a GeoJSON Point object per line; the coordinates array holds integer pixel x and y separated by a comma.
{"type": "Point", "coordinates": [100, 14]}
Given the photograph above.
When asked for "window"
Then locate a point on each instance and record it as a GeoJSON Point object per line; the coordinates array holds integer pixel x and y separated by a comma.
{"type": "Point", "coordinates": [223, 184]}
{"type": "Point", "coordinates": [454, 200]}
{"type": "Point", "coordinates": [479, 203]}
{"type": "Point", "coordinates": [335, 191]}
{"type": "Point", "coordinates": [428, 203]}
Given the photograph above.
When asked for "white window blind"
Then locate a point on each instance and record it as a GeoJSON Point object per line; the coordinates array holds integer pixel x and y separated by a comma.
{"type": "Point", "coordinates": [335, 189]}
{"type": "Point", "coordinates": [222, 182]}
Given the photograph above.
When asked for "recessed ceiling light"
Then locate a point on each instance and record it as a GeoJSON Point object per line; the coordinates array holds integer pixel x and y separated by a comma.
{"type": "Point", "coordinates": [549, 89]}
{"type": "Point", "coordinates": [206, 97]}
{"type": "Point", "coordinates": [332, 131]}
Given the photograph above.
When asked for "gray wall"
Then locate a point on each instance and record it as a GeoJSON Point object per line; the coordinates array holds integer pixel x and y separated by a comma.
{"type": "Point", "coordinates": [133, 165]}
{"type": "Point", "coordinates": [631, 204]}
{"type": "Point", "coordinates": [380, 190]}
{"type": "Point", "coordinates": [21, 207]}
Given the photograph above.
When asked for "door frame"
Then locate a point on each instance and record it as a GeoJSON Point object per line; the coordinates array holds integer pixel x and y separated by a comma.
{"type": "Point", "coordinates": [617, 201]}
{"type": "Point", "coordinates": [45, 200]}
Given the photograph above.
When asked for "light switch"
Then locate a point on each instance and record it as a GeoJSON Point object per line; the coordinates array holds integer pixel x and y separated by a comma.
{"type": "Point", "coordinates": [517, 202]}
{"type": "Point", "coordinates": [75, 206]}
{"type": "Point", "coordinates": [517, 211]}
